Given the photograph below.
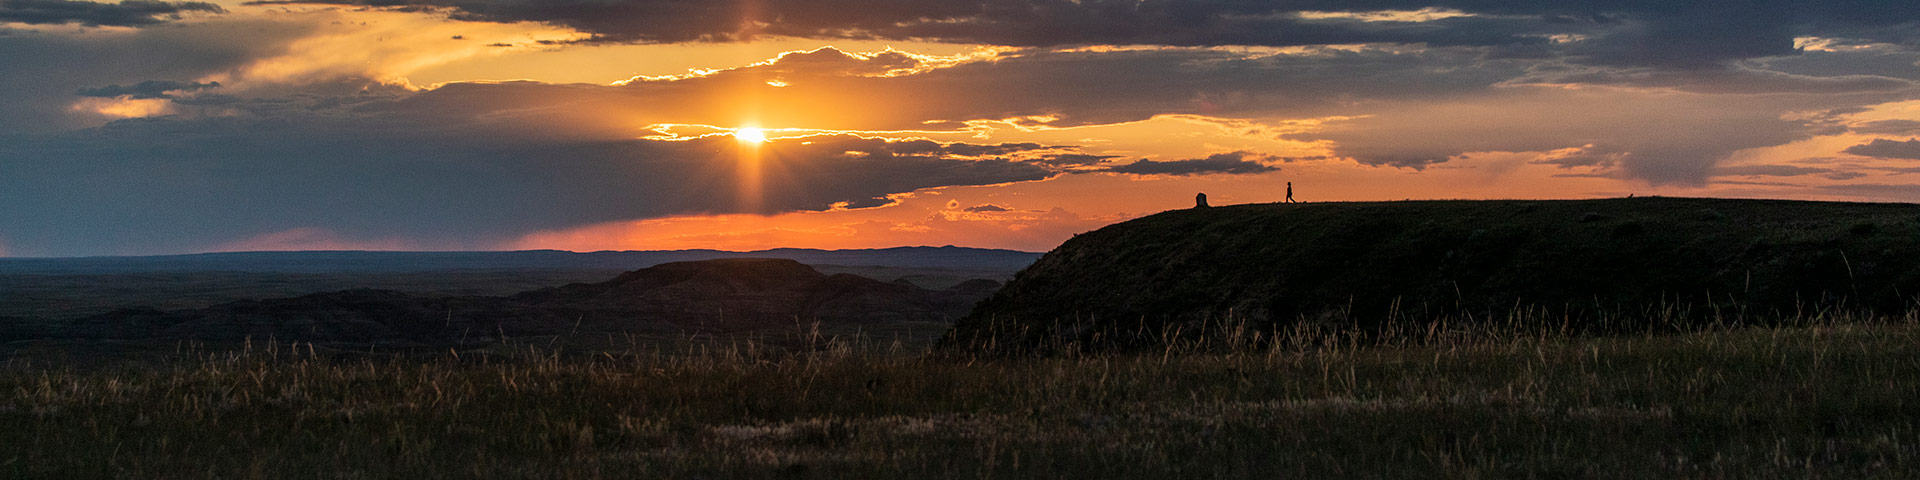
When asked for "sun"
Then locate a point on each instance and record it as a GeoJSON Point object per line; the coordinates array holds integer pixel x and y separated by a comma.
{"type": "Point", "coordinates": [750, 135]}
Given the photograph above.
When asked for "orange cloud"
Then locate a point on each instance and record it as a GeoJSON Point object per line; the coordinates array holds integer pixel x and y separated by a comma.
{"type": "Point", "coordinates": [117, 108]}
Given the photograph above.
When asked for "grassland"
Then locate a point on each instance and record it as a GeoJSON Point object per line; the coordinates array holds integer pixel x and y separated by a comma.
{"type": "Point", "coordinates": [1822, 399]}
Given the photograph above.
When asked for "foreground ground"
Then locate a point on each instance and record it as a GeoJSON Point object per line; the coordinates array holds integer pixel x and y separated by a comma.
{"type": "Point", "coordinates": [1834, 401]}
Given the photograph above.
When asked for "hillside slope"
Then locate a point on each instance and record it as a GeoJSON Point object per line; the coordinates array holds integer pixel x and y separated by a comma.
{"type": "Point", "coordinates": [709, 296]}
{"type": "Point", "coordinates": [1592, 264]}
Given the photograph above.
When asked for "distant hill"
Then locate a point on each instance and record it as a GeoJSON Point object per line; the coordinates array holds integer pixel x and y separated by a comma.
{"type": "Point", "coordinates": [725, 295]}
{"type": "Point", "coordinates": [371, 261]}
{"type": "Point", "coordinates": [1591, 264]}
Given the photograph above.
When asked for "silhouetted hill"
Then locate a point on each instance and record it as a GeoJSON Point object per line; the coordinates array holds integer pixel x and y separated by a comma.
{"type": "Point", "coordinates": [701, 296]}
{"type": "Point", "coordinates": [362, 262]}
{"type": "Point", "coordinates": [1593, 264]}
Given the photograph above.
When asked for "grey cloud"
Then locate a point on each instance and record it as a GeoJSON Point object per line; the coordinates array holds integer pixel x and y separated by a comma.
{"type": "Point", "coordinates": [911, 147]}
{"type": "Point", "coordinates": [1075, 159]}
{"type": "Point", "coordinates": [1883, 148]}
{"type": "Point", "coordinates": [150, 89]}
{"type": "Point", "coordinates": [1769, 171]}
{"type": "Point", "coordinates": [1904, 64]}
{"type": "Point", "coordinates": [1241, 162]}
{"type": "Point", "coordinates": [128, 13]}
{"type": "Point", "coordinates": [41, 71]}
{"type": "Point", "coordinates": [1588, 156]}
{"type": "Point", "coordinates": [1723, 80]}
{"type": "Point", "coordinates": [1888, 127]}
{"type": "Point", "coordinates": [987, 208]}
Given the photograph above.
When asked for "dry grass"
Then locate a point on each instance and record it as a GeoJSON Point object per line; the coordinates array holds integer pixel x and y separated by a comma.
{"type": "Point", "coordinates": [1824, 399]}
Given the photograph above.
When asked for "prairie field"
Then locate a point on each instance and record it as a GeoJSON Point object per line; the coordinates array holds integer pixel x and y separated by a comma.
{"type": "Point", "coordinates": [1820, 398]}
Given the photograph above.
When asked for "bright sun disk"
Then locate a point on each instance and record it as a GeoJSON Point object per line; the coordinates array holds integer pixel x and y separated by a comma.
{"type": "Point", "coordinates": [750, 135]}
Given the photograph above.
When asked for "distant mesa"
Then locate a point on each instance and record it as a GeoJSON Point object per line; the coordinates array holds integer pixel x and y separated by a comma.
{"type": "Point", "coordinates": [722, 295]}
{"type": "Point", "coordinates": [1594, 265]}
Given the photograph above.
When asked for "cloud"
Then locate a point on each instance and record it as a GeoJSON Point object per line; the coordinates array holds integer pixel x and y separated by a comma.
{"type": "Point", "coordinates": [1022, 23]}
{"type": "Point", "coordinates": [1064, 88]}
{"type": "Point", "coordinates": [1719, 80]}
{"type": "Point", "coordinates": [1583, 156]}
{"type": "Point", "coordinates": [1596, 32]}
{"type": "Point", "coordinates": [1075, 159]}
{"type": "Point", "coordinates": [1768, 171]}
{"type": "Point", "coordinates": [1888, 127]}
{"type": "Point", "coordinates": [987, 208]}
{"type": "Point", "coordinates": [151, 89]}
{"type": "Point", "coordinates": [1236, 163]}
{"type": "Point", "coordinates": [178, 184]}
{"type": "Point", "coordinates": [1883, 148]}
{"type": "Point", "coordinates": [1666, 138]}
{"type": "Point", "coordinates": [41, 70]}
{"type": "Point", "coordinates": [128, 13]}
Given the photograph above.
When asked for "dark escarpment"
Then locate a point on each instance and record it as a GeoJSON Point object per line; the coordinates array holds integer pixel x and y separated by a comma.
{"type": "Point", "coordinates": [1586, 265]}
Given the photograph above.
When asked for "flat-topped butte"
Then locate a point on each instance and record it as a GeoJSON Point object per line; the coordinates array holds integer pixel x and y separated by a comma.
{"type": "Point", "coordinates": [1589, 265]}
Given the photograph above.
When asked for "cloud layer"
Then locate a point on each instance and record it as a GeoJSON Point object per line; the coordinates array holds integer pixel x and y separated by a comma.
{"type": "Point", "coordinates": [129, 13]}
{"type": "Point", "coordinates": [279, 123]}
{"type": "Point", "coordinates": [1612, 32]}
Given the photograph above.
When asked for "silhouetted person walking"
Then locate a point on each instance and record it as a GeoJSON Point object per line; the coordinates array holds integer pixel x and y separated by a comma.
{"type": "Point", "coordinates": [1200, 201]}
{"type": "Point", "coordinates": [1290, 193]}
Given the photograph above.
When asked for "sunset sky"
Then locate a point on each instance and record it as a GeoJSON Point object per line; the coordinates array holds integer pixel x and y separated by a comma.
{"type": "Point", "coordinates": [150, 127]}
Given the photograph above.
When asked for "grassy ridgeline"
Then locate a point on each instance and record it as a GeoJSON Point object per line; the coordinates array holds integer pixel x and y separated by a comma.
{"type": "Point", "coordinates": [1588, 265]}
{"type": "Point", "coordinates": [1812, 401]}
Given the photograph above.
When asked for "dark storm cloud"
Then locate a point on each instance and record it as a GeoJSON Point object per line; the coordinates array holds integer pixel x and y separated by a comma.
{"type": "Point", "coordinates": [150, 89]}
{"type": "Point", "coordinates": [1883, 148]}
{"type": "Point", "coordinates": [128, 13]}
{"type": "Point", "coordinates": [171, 185]}
{"type": "Point", "coordinates": [1219, 163]}
{"type": "Point", "coordinates": [1599, 32]}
